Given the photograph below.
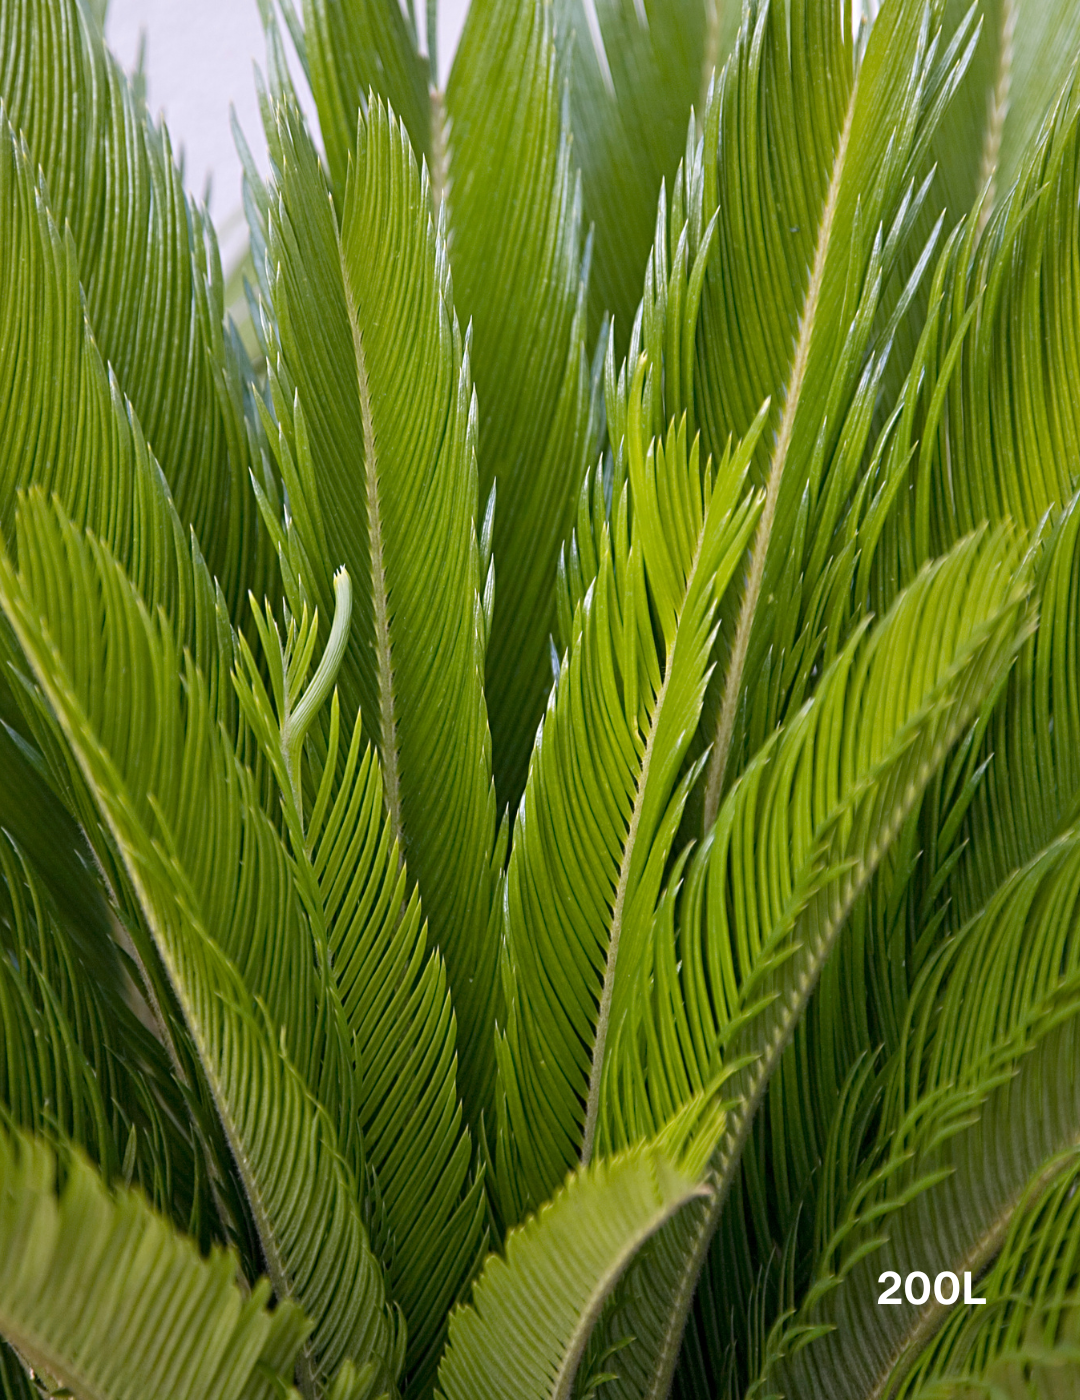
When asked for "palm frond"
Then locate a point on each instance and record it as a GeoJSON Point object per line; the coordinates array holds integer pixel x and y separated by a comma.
{"type": "Point", "coordinates": [604, 800]}
{"type": "Point", "coordinates": [515, 246]}
{"type": "Point", "coordinates": [66, 427]}
{"type": "Point", "coordinates": [393, 990]}
{"type": "Point", "coordinates": [637, 72]}
{"type": "Point", "coordinates": [149, 266]}
{"type": "Point", "coordinates": [77, 1065]}
{"type": "Point", "coordinates": [1026, 1343]}
{"type": "Point", "coordinates": [755, 929]}
{"type": "Point", "coordinates": [525, 1331]}
{"type": "Point", "coordinates": [376, 442]}
{"type": "Point", "coordinates": [133, 1300]}
{"type": "Point", "coordinates": [252, 989]}
{"type": "Point", "coordinates": [818, 148]}
{"type": "Point", "coordinates": [1001, 435]}
{"type": "Point", "coordinates": [974, 1120]}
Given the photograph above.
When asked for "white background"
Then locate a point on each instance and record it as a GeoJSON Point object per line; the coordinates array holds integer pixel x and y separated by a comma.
{"type": "Point", "coordinates": [199, 57]}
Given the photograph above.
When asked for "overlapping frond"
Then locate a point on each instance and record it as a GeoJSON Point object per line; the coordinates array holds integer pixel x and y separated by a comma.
{"type": "Point", "coordinates": [818, 183]}
{"type": "Point", "coordinates": [524, 1334]}
{"type": "Point", "coordinates": [428, 1225]}
{"type": "Point", "coordinates": [354, 49]}
{"type": "Point", "coordinates": [765, 898]}
{"type": "Point", "coordinates": [636, 73]}
{"type": "Point", "coordinates": [515, 230]}
{"type": "Point", "coordinates": [65, 426]}
{"type": "Point", "coordinates": [974, 1119]}
{"type": "Point", "coordinates": [376, 442]}
{"type": "Point", "coordinates": [149, 267]}
{"type": "Point", "coordinates": [604, 799]}
{"type": "Point", "coordinates": [98, 1293]}
{"type": "Point", "coordinates": [1029, 1342]}
{"type": "Point", "coordinates": [76, 1063]}
{"type": "Point", "coordinates": [1001, 435]}
{"type": "Point", "coordinates": [212, 882]}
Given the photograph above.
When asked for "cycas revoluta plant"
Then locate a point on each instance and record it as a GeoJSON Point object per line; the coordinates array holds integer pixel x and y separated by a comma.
{"type": "Point", "coordinates": [539, 786]}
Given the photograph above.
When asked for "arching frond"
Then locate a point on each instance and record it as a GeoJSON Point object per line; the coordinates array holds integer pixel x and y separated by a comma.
{"type": "Point", "coordinates": [636, 73]}
{"type": "Point", "coordinates": [252, 989]}
{"type": "Point", "coordinates": [604, 800]}
{"type": "Point", "coordinates": [524, 1333]}
{"type": "Point", "coordinates": [755, 929]}
{"type": "Point", "coordinates": [376, 442]}
{"type": "Point", "coordinates": [974, 1118]}
{"type": "Point", "coordinates": [393, 990]}
{"type": "Point", "coordinates": [819, 147]}
{"type": "Point", "coordinates": [98, 1293]}
{"type": "Point", "coordinates": [149, 266]}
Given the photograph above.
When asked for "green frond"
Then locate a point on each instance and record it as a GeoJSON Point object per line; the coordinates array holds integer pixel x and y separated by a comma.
{"type": "Point", "coordinates": [765, 898]}
{"type": "Point", "coordinates": [1001, 435]}
{"type": "Point", "coordinates": [376, 442]}
{"type": "Point", "coordinates": [150, 270]}
{"type": "Point", "coordinates": [814, 153]}
{"type": "Point", "coordinates": [524, 1333]}
{"type": "Point", "coordinates": [251, 983]}
{"type": "Point", "coordinates": [102, 1297]}
{"type": "Point", "coordinates": [393, 990]}
{"type": "Point", "coordinates": [1023, 58]}
{"type": "Point", "coordinates": [604, 800]}
{"type": "Point", "coordinates": [515, 228]}
{"type": "Point", "coordinates": [357, 48]}
{"type": "Point", "coordinates": [1028, 1343]}
{"type": "Point", "coordinates": [66, 427]}
{"type": "Point", "coordinates": [637, 72]}
{"type": "Point", "coordinates": [975, 1116]}
{"type": "Point", "coordinates": [78, 1066]}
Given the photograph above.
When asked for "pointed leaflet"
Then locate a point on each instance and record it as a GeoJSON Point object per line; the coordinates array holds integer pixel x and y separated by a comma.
{"type": "Point", "coordinates": [377, 429]}
{"type": "Point", "coordinates": [976, 1113]}
{"type": "Point", "coordinates": [499, 158]}
{"type": "Point", "coordinates": [829, 793]}
{"type": "Point", "coordinates": [603, 799]}
{"type": "Point", "coordinates": [1002, 435]}
{"type": "Point", "coordinates": [103, 1298]}
{"type": "Point", "coordinates": [65, 426]}
{"type": "Point", "coordinates": [817, 153]}
{"type": "Point", "coordinates": [1030, 1343]}
{"type": "Point", "coordinates": [149, 265]}
{"type": "Point", "coordinates": [524, 1332]}
{"type": "Point", "coordinates": [354, 48]}
{"type": "Point", "coordinates": [213, 884]}
{"type": "Point", "coordinates": [76, 1061]}
{"type": "Point", "coordinates": [515, 238]}
{"type": "Point", "coordinates": [1022, 61]}
{"type": "Point", "coordinates": [429, 1228]}
{"type": "Point", "coordinates": [636, 72]}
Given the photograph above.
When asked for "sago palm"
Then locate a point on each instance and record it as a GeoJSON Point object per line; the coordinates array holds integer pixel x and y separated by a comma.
{"type": "Point", "coordinates": [540, 776]}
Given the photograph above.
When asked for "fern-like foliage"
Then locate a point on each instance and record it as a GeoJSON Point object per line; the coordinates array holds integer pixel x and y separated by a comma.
{"type": "Point", "coordinates": [539, 816]}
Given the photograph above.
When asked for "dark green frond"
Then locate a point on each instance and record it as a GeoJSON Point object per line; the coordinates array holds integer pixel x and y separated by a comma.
{"type": "Point", "coordinates": [251, 983]}
{"type": "Point", "coordinates": [149, 267]}
{"type": "Point", "coordinates": [376, 442]}
{"type": "Point", "coordinates": [637, 71]}
{"type": "Point", "coordinates": [97, 1293]}
{"type": "Point", "coordinates": [515, 245]}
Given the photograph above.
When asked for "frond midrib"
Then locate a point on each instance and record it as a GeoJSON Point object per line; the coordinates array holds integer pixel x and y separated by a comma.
{"type": "Point", "coordinates": [725, 727]}
{"type": "Point", "coordinates": [596, 1069]}
{"type": "Point", "coordinates": [384, 663]}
